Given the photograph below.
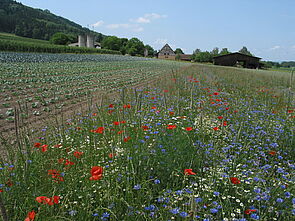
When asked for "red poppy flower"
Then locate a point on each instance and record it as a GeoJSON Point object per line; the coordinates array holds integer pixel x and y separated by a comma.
{"type": "Point", "coordinates": [215, 128]}
{"type": "Point", "coordinates": [171, 127]}
{"type": "Point", "coordinates": [116, 123]}
{"type": "Point", "coordinates": [189, 172]}
{"type": "Point", "coordinates": [69, 162]}
{"type": "Point", "coordinates": [37, 145]}
{"type": "Point", "coordinates": [154, 107]}
{"type": "Point", "coordinates": [98, 130]}
{"type": "Point", "coordinates": [290, 111]}
{"type": "Point", "coordinates": [9, 183]}
{"type": "Point", "coordinates": [220, 117]}
{"type": "Point", "coordinates": [43, 199]}
{"type": "Point", "coordinates": [189, 129]}
{"type": "Point", "coordinates": [111, 106]}
{"type": "Point", "coordinates": [120, 132]}
{"type": "Point", "coordinates": [235, 180]}
{"type": "Point", "coordinates": [153, 98]}
{"type": "Point", "coordinates": [96, 173]}
{"type": "Point", "coordinates": [1, 191]}
{"type": "Point", "coordinates": [165, 91]}
{"type": "Point", "coordinates": [145, 127]}
{"type": "Point", "coordinates": [127, 106]}
{"type": "Point", "coordinates": [78, 154]}
{"type": "Point", "coordinates": [44, 148]}
{"type": "Point", "coordinates": [56, 199]}
{"type": "Point", "coordinates": [272, 153]}
{"type": "Point", "coordinates": [31, 216]}
{"type": "Point", "coordinates": [249, 211]}
{"type": "Point", "coordinates": [123, 122]}
{"type": "Point", "coordinates": [171, 113]}
{"type": "Point", "coordinates": [216, 93]}
{"type": "Point", "coordinates": [111, 155]}
{"type": "Point", "coordinates": [126, 139]}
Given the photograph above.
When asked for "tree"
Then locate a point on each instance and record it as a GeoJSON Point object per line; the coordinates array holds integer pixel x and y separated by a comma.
{"type": "Point", "coordinates": [205, 56]}
{"type": "Point", "coordinates": [178, 51]}
{"type": "Point", "coordinates": [245, 51]}
{"type": "Point", "coordinates": [224, 51]}
{"type": "Point", "coordinates": [60, 38]}
{"type": "Point", "coordinates": [150, 50]}
{"type": "Point", "coordinates": [111, 43]}
{"type": "Point", "coordinates": [215, 52]}
{"type": "Point", "coordinates": [135, 47]}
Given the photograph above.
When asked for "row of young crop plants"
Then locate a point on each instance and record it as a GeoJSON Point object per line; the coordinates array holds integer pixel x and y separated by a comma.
{"type": "Point", "coordinates": [202, 144]}
{"type": "Point", "coordinates": [39, 88]}
{"type": "Point", "coordinates": [10, 45]}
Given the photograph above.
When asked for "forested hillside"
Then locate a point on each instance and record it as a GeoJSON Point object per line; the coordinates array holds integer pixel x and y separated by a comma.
{"type": "Point", "coordinates": [25, 21]}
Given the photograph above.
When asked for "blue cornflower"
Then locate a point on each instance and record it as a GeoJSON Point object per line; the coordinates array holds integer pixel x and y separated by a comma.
{"type": "Point", "coordinates": [216, 193]}
{"type": "Point", "coordinates": [257, 190]}
{"type": "Point", "coordinates": [254, 216]}
{"type": "Point", "coordinates": [287, 194]}
{"type": "Point", "coordinates": [105, 215]}
{"type": "Point", "coordinates": [174, 211]}
{"type": "Point", "coordinates": [137, 187]}
{"type": "Point", "coordinates": [157, 181]}
{"type": "Point", "coordinates": [95, 214]}
{"type": "Point", "coordinates": [183, 214]}
{"type": "Point", "coordinates": [198, 200]}
{"type": "Point", "coordinates": [214, 210]}
{"type": "Point", "coordinates": [279, 200]}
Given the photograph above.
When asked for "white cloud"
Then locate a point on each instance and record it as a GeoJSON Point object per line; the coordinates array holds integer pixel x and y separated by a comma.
{"type": "Point", "coordinates": [293, 47]}
{"type": "Point", "coordinates": [275, 47]}
{"type": "Point", "coordinates": [97, 24]}
{"type": "Point", "coordinates": [147, 18]}
{"type": "Point", "coordinates": [132, 27]}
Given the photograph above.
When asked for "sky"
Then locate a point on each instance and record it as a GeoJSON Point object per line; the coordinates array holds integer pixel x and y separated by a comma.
{"type": "Point", "coordinates": [265, 27]}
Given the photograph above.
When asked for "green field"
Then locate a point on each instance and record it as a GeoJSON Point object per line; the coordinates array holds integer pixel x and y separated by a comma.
{"type": "Point", "coordinates": [10, 42]}
{"type": "Point", "coordinates": [147, 140]}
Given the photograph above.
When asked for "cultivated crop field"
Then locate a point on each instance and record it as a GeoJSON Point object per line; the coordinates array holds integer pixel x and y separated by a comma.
{"type": "Point", "coordinates": [39, 85]}
{"type": "Point", "coordinates": [200, 142]}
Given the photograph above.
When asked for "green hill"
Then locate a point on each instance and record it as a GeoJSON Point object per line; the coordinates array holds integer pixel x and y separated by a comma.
{"type": "Point", "coordinates": [25, 21]}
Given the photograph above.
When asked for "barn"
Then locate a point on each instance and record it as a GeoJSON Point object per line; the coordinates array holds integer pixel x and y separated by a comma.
{"type": "Point", "coordinates": [166, 53]}
{"type": "Point", "coordinates": [235, 59]}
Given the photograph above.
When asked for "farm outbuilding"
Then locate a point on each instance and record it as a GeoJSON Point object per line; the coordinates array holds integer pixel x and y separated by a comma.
{"type": "Point", "coordinates": [235, 59]}
{"type": "Point", "coordinates": [166, 53]}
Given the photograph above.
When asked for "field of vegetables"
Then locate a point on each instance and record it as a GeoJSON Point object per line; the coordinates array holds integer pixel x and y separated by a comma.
{"type": "Point", "coordinates": [200, 143]}
{"type": "Point", "coordinates": [38, 85]}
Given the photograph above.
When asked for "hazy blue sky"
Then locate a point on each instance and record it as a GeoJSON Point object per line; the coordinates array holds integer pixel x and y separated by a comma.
{"type": "Point", "coordinates": [265, 27]}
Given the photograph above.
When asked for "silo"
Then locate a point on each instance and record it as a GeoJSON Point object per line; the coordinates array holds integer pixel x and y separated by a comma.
{"type": "Point", "coordinates": [81, 41]}
{"type": "Point", "coordinates": [90, 41]}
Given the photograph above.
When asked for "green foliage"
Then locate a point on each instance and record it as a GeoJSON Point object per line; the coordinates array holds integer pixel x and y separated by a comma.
{"type": "Point", "coordinates": [135, 47]}
{"type": "Point", "coordinates": [25, 21]}
{"type": "Point", "coordinates": [178, 51]}
{"type": "Point", "coordinates": [151, 51]}
{"type": "Point", "coordinates": [112, 43]}
{"type": "Point", "coordinates": [7, 45]}
{"type": "Point", "coordinates": [245, 51]}
{"type": "Point", "coordinates": [224, 51]}
{"type": "Point", "coordinates": [215, 52]}
{"type": "Point", "coordinates": [60, 38]}
{"type": "Point", "coordinates": [200, 56]}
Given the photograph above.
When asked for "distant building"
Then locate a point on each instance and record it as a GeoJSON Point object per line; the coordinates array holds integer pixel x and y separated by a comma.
{"type": "Point", "coordinates": [236, 59]}
{"type": "Point", "coordinates": [166, 53]}
{"type": "Point", "coordinates": [86, 41]}
{"type": "Point", "coordinates": [185, 57]}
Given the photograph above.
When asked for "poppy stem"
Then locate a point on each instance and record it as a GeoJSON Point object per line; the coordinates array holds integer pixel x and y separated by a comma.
{"type": "Point", "coordinates": [3, 210]}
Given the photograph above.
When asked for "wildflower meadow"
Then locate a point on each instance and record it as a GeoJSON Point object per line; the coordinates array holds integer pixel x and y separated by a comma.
{"type": "Point", "coordinates": [201, 143]}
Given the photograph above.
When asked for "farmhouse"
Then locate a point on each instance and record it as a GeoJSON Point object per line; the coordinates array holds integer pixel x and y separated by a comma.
{"type": "Point", "coordinates": [234, 59]}
{"type": "Point", "coordinates": [166, 53]}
